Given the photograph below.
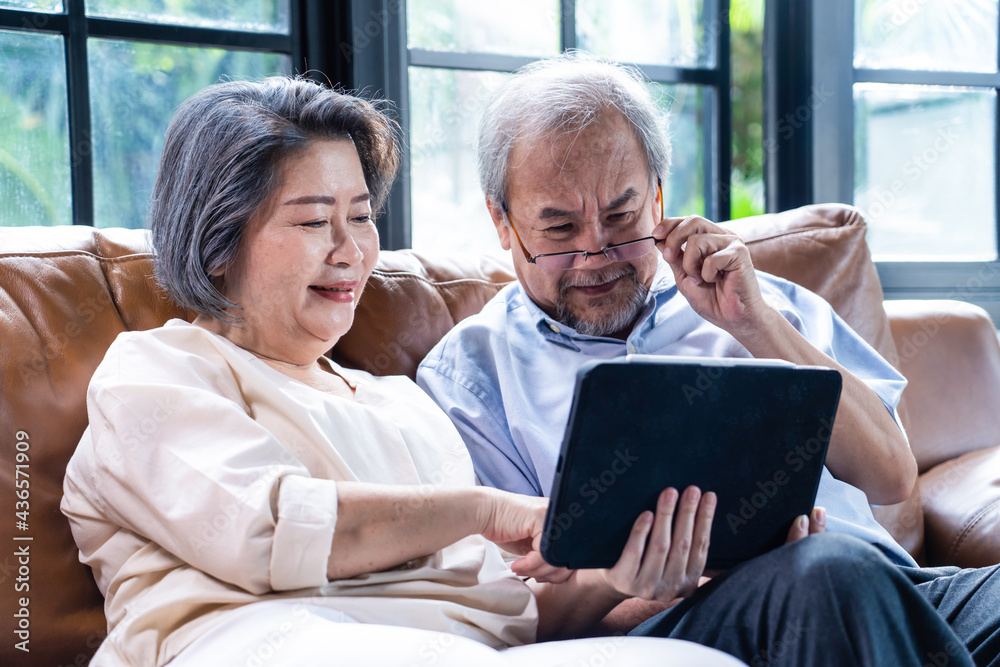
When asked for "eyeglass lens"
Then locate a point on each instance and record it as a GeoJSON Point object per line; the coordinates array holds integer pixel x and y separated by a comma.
{"type": "Point", "coordinates": [623, 252]}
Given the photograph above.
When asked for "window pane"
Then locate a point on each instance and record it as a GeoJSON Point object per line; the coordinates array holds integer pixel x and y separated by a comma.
{"type": "Point", "coordinates": [34, 131]}
{"type": "Point", "coordinates": [926, 34]}
{"type": "Point", "coordinates": [924, 170]}
{"type": "Point", "coordinates": [520, 27]}
{"type": "Point", "coordinates": [681, 33]}
{"type": "Point", "coordinates": [134, 89]}
{"type": "Point", "coordinates": [684, 188]}
{"type": "Point", "coordinates": [448, 211]}
{"type": "Point", "coordinates": [249, 15]}
{"type": "Point", "coordinates": [447, 207]}
{"type": "Point", "coordinates": [35, 5]}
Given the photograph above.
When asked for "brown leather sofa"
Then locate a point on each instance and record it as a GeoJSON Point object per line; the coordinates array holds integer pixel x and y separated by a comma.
{"type": "Point", "coordinates": [65, 294]}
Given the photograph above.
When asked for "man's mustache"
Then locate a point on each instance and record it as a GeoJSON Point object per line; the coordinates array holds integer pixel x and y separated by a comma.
{"type": "Point", "coordinates": [598, 277]}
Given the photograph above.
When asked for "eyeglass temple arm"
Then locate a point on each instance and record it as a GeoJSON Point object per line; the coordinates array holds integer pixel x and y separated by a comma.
{"type": "Point", "coordinates": [527, 255]}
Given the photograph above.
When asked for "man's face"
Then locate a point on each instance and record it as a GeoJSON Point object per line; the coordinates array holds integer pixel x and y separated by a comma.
{"type": "Point", "coordinates": [582, 191]}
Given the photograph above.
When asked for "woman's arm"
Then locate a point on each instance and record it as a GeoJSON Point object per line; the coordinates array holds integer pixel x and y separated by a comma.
{"type": "Point", "coordinates": [382, 526]}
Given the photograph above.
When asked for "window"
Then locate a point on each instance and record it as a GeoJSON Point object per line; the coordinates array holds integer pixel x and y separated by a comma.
{"type": "Point", "coordinates": [90, 85]}
{"type": "Point", "coordinates": [441, 60]}
{"type": "Point", "coordinates": [892, 106]}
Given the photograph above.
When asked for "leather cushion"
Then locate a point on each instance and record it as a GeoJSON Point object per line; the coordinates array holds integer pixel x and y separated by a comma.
{"type": "Point", "coordinates": [962, 509]}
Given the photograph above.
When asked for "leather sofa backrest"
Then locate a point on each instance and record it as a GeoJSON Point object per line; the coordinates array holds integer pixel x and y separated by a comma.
{"type": "Point", "coordinates": [66, 293]}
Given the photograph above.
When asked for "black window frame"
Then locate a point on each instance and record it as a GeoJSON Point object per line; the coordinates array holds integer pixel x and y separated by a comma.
{"type": "Point", "coordinates": [379, 29]}
{"type": "Point", "coordinates": [809, 54]}
{"type": "Point", "coordinates": [317, 30]}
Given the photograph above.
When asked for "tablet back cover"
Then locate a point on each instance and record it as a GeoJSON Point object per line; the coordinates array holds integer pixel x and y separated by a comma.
{"type": "Point", "coordinates": [755, 435]}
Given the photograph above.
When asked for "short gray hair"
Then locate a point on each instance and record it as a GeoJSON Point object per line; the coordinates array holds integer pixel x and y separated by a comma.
{"type": "Point", "coordinates": [219, 166]}
{"type": "Point", "coordinates": [566, 93]}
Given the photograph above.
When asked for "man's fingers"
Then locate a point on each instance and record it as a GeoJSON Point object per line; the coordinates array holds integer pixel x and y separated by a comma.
{"type": "Point", "coordinates": [631, 558]}
{"type": "Point", "coordinates": [799, 529]}
{"type": "Point", "coordinates": [803, 526]}
{"type": "Point", "coordinates": [683, 536]}
{"type": "Point", "coordinates": [817, 521]}
{"type": "Point", "coordinates": [660, 542]}
{"type": "Point", "coordinates": [675, 232]}
{"type": "Point", "coordinates": [708, 255]}
{"type": "Point", "coordinates": [702, 536]}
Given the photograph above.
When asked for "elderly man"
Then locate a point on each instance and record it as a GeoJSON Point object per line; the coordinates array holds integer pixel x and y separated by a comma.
{"type": "Point", "coordinates": [572, 156]}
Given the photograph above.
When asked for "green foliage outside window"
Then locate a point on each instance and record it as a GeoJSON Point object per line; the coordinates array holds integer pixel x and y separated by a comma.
{"type": "Point", "coordinates": [746, 20]}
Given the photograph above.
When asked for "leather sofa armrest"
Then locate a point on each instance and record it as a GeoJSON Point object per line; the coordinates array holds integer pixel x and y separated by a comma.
{"type": "Point", "coordinates": [948, 351]}
{"type": "Point", "coordinates": [961, 499]}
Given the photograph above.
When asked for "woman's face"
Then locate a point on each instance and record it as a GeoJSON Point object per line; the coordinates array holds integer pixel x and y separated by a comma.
{"type": "Point", "coordinates": [305, 257]}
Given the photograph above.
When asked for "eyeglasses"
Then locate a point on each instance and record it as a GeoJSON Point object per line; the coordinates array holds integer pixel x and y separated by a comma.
{"type": "Point", "coordinates": [616, 252]}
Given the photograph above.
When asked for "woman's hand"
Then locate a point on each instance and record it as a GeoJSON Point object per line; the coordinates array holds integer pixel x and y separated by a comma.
{"type": "Point", "coordinates": [511, 520]}
{"type": "Point", "coordinates": [514, 523]}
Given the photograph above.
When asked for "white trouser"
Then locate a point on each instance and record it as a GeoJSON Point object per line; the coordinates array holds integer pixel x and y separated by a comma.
{"type": "Point", "coordinates": [277, 633]}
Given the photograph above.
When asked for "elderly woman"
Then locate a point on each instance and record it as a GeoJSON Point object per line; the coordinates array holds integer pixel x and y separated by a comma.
{"type": "Point", "coordinates": [244, 500]}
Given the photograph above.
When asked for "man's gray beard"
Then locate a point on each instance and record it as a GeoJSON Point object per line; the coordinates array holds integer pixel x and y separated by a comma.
{"type": "Point", "coordinates": [623, 313]}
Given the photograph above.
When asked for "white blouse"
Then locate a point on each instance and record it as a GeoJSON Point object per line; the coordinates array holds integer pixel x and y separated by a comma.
{"type": "Point", "coordinates": [174, 501]}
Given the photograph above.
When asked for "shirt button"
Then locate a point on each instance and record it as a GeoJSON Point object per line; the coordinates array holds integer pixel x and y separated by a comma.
{"type": "Point", "coordinates": [554, 327]}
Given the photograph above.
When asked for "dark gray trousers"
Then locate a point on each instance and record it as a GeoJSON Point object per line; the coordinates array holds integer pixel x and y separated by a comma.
{"type": "Point", "coordinates": [835, 600]}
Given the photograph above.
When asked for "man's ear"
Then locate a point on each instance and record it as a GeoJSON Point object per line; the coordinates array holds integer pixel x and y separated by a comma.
{"type": "Point", "coordinates": [503, 231]}
{"type": "Point", "coordinates": [658, 211]}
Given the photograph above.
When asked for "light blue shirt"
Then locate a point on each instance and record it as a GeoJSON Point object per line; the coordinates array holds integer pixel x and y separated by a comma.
{"type": "Point", "coordinates": [506, 375]}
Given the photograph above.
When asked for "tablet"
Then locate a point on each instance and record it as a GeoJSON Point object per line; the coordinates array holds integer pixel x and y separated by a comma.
{"type": "Point", "coordinates": [753, 431]}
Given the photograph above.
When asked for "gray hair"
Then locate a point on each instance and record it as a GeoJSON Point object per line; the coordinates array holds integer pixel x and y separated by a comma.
{"type": "Point", "coordinates": [566, 93]}
{"type": "Point", "coordinates": [219, 166]}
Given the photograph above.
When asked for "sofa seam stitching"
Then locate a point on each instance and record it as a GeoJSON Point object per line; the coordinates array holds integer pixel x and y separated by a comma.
{"type": "Point", "coordinates": [957, 544]}
{"type": "Point", "coordinates": [798, 230]}
{"type": "Point", "coordinates": [430, 281]}
{"type": "Point", "coordinates": [76, 253]}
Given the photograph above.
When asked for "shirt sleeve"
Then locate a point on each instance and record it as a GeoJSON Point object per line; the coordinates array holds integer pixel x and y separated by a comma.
{"type": "Point", "coordinates": [481, 421]}
{"type": "Point", "coordinates": [178, 458]}
{"type": "Point", "coordinates": [816, 320]}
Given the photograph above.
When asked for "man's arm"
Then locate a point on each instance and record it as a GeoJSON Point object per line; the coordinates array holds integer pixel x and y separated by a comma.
{"type": "Point", "coordinates": [867, 448]}
{"type": "Point", "coordinates": [497, 461]}
{"type": "Point", "coordinates": [714, 273]}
